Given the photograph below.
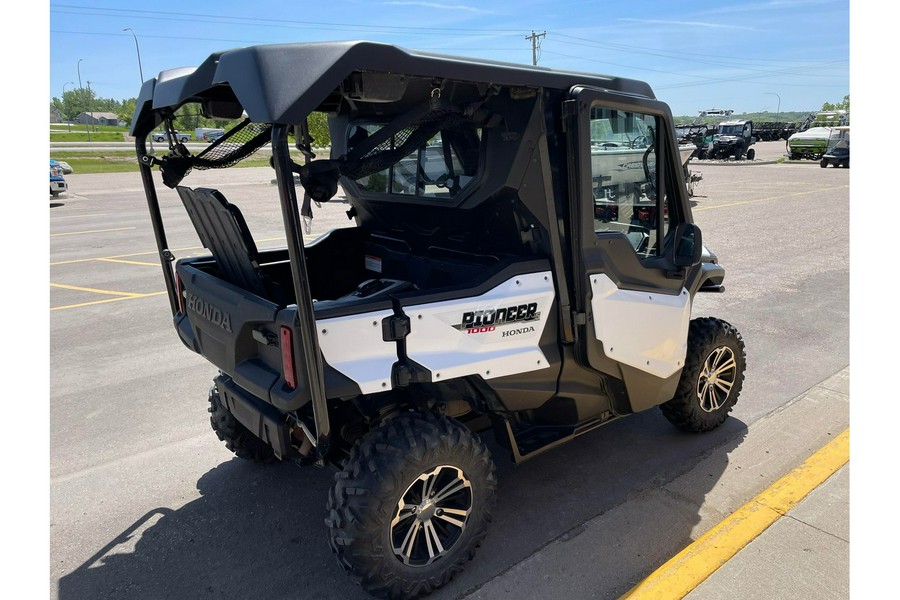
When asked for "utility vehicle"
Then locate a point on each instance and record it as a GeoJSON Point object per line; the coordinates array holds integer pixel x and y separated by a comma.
{"type": "Point", "coordinates": [838, 152]}
{"type": "Point", "coordinates": [733, 139]}
{"type": "Point", "coordinates": [481, 289]}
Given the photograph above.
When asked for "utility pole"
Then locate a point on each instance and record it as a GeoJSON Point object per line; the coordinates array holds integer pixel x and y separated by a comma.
{"type": "Point", "coordinates": [534, 38]}
{"type": "Point", "coordinates": [69, 122]}
{"type": "Point", "coordinates": [91, 107]}
{"type": "Point", "coordinates": [81, 91]}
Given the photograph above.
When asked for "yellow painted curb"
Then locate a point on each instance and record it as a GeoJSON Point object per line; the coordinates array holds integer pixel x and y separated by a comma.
{"type": "Point", "coordinates": [690, 567]}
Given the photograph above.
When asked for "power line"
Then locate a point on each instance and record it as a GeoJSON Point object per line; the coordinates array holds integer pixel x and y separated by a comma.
{"type": "Point", "coordinates": [670, 55]}
{"type": "Point", "coordinates": [658, 51]}
{"type": "Point", "coordinates": [281, 23]}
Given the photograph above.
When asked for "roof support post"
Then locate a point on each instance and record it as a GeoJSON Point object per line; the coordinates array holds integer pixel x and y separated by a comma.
{"type": "Point", "coordinates": [305, 322]}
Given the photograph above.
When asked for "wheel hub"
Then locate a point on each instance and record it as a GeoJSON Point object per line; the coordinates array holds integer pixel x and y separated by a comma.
{"type": "Point", "coordinates": [716, 379]}
{"type": "Point", "coordinates": [431, 516]}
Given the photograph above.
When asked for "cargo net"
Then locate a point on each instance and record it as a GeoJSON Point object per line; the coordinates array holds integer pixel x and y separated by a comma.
{"type": "Point", "coordinates": [237, 144]}
{"type": "Point", "coordinates": [401, 144]}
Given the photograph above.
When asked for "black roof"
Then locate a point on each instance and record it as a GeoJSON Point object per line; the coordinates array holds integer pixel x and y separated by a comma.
{"type": "Point", "coordinates": [283, 83]}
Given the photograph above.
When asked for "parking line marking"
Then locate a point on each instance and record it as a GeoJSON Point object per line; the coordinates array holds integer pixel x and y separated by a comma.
{"type": "Point", "coordinates": [92, 290]}
{"type": "Point", "coordinates": [55, 218]}
{"type": "Point", "coordinates": [840, 187]}
{"type": "Point", "coordinates": [130, 297]}
{"type": "Point", "coordinates": [94, 231]}
{"type": "Point", "coordinates": [128, 262]}
{"type": "Point", "coordinates": [154, 252]}
{"type": "Point", "coordinates": [693, 565]}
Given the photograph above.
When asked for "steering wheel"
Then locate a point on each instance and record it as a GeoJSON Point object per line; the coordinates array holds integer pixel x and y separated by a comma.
{"type": "Point", "coordinates": [640, 142]}
{"type": "Point", "coordinates": [651, 181]}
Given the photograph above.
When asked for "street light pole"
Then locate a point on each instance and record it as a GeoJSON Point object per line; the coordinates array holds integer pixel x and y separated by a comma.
{"type": "Point", "coordinates": [138, 48]}
{"type": "Point", "coordinates": [68, 121]}
{"type": "Point", "coordinates": [779, 104]}
{"type": "Point", "coordinates": [140, 68]}
{"type": "Point", "coordinates": [81, 89]}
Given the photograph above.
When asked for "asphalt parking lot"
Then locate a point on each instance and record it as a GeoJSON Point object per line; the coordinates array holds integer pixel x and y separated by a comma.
{"type": "Point", "coordinates": [145, 502]}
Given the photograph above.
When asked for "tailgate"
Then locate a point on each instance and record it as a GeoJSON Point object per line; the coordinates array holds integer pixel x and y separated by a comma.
{"type": "Point", "coordinates": [238, 332]}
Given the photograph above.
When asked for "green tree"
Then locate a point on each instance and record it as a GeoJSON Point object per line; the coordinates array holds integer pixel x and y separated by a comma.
{"type": "Point", "coordinates": [126, 110]}
{"type": "Point", "coordinates": [75, 102]}
{"type": "Point", "coordinates": [843, 105]}
{"type": "Point", "coordinates": [318, 130]}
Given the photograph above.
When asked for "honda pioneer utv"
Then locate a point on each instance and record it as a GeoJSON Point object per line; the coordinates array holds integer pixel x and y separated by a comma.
{"type": "Point", "coordinates": [481, 288]}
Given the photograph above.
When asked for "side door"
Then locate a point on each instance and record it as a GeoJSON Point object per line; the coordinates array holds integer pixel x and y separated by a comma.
{"type": "Point", "coordinates": [631, 214]}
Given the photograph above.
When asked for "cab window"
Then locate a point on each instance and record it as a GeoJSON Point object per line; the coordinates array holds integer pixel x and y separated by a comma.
{"type": "Point", "coordinates": [441, 168]}
{"type": "Point", "coordinates": [624, 147]}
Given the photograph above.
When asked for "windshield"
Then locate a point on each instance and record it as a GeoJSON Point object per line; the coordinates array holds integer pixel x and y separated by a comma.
{"type": "Point", "coordinates": [731, 129]}
{"type": "Point", "coordinates": [611, 129]}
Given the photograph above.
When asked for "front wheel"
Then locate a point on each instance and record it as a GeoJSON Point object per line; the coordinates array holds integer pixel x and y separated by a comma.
{"type": "Point", "coordinates": [712, 377]}
{"type": "Point", "coordinates": [751, 154]}
{"type": "Point", "coordinates": [411, 505]}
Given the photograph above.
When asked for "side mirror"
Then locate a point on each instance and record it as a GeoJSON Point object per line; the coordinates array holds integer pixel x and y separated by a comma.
{"type": "Point", "coordinates": [688, 245]}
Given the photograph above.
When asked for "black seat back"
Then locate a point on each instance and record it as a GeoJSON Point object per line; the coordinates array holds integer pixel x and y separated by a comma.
{"type": "Point", "coordinates": [223, 230]}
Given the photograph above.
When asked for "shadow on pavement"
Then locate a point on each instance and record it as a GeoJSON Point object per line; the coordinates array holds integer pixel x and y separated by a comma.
{"type": "Point", "coordinates": [259, 531]}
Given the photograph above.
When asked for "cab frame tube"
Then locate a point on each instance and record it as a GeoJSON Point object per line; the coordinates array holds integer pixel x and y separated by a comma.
{"type": "Point", "coordinates": [305, 321]}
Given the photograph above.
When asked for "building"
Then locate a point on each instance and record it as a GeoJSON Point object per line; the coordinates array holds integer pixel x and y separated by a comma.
{"type": "Point", "coordinates": [56, 115]}
{"type": "Point", "coordinates": [97, 118]}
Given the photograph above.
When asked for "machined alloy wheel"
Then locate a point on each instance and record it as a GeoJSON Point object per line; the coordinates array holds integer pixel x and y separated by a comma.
{"type": "Point", "coordinates": [711, 379]}
{"type": "Point", "coordinates": [716, 379]}
{"type": "Point", "coordinates": [411, 505]}
{"type": "Point", "coordinates": [431, 516]}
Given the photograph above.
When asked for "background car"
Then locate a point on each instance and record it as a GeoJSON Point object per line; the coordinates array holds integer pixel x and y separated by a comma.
{"type": "Point", "coordinates": [66, 169]}
{"type": "Point", "coordinates": [58, 184]}
{"type": "Point", "coordinates": [162, 137]}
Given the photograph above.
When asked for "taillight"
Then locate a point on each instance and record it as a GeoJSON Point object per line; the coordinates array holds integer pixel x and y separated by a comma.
{"type": "Point", "coordinates": [287, 357]}
{"type": "Point", "coordinates": [179, 291]}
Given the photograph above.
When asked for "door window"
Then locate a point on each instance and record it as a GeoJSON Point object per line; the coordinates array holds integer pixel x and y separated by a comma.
{"type": "Point", "coordinates": [624, 147]}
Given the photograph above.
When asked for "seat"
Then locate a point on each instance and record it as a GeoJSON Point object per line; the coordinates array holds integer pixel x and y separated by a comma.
{"type": "Point", "coordinates": [223, 230]}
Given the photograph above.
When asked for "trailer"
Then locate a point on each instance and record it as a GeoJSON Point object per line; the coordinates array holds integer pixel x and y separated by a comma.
{"type": "Point", "coordinates": [811, 141]}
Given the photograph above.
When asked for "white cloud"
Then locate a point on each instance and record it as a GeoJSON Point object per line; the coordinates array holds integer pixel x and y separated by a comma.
{"type": "Point", "coordinates": [689, 24]}
{"type": "Point", "coordinates": [437, 5]}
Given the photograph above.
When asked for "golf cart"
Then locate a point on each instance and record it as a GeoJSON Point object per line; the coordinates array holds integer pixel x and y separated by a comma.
{"type": "Point", "coordinates": [838, 152]}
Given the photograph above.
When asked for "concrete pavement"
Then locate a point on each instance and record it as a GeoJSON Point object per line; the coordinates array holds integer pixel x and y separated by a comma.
{"type": "Point", "coordinates": [803, 554]}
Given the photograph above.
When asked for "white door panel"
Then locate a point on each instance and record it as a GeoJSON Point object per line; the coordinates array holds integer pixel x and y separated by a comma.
{"type": "Point", "coordinates": [492, 335]}
{"type": "Point", "coordinates": [647, 331]}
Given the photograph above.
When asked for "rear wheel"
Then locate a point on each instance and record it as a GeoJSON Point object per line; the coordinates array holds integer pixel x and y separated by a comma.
{"type": "Point", "coordinates": [712, 377]}
{"type": "Point", "coordinates": [237, 438]}
{"type": "Point", "coordinates": [411, 505]}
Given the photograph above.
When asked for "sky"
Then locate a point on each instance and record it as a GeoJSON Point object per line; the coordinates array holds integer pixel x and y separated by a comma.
{"type": "Point", "coordinates": [764, 55]}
